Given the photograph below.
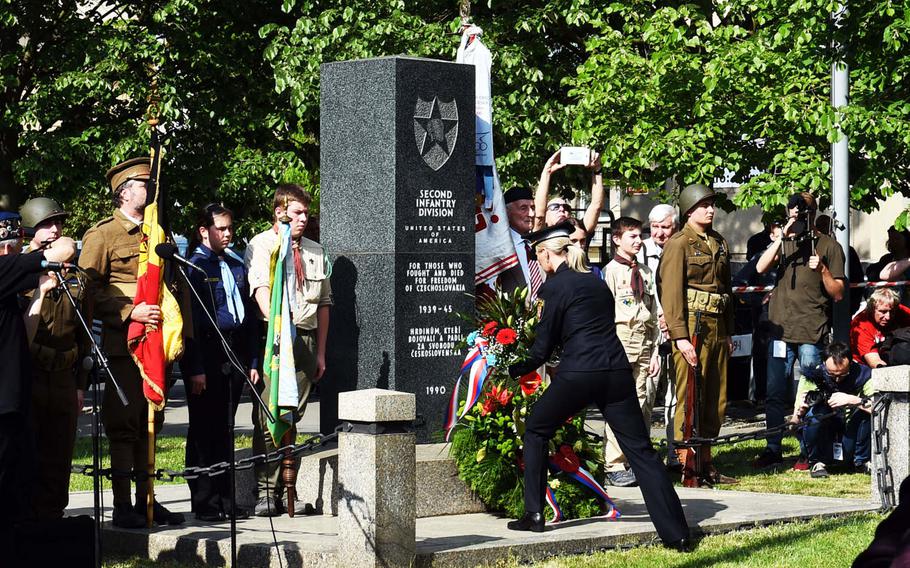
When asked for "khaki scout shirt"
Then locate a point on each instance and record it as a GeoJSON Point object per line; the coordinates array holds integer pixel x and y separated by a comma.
{"type": "Point", "coordinates": [110, 258]}
{"type": "Point", "coordinates": [700, 261]}
{"type": "Point", "coordinates": [316, 290]}
{"type": "Point", "coordinates": [637, 317]}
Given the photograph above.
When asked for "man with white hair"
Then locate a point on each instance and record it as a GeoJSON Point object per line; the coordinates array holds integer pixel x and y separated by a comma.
{"type": "Point", "coordinates": [664, 222]}
{"type": "Point", "coordinates": [883, 314]}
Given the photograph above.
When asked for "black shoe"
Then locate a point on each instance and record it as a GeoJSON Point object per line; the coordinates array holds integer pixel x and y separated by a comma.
{"type": "Point", "coordinates": [239, 513]}
{"type": "Point", "coordinates": [127, 518]}
{"type": "Point", "coordinates": [161, 515]}
{"type": "Point", "coordinates": [681, 545]}
{"type": "Point", "coordinates": [212, 517]}
{"type": "Point", "coordinates": [266, 507]}
{"type": "Point", "coordinates": [528, 522]}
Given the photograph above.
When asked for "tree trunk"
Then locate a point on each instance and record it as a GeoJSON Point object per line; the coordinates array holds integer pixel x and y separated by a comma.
{"type": "Point", "coordinates": [10, 191]}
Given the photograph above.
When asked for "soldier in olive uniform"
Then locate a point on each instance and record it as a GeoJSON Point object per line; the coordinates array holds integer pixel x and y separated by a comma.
{"type": "Point", "coordinates": [110, 258]}
{"type": "Point", "coordinates": [695, 277]}
{"type": "Point", "coordinates": [56, 396]}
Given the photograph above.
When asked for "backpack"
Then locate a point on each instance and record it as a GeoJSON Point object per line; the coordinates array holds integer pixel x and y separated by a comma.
{"type": "Point", "coordinates": [895, 349]}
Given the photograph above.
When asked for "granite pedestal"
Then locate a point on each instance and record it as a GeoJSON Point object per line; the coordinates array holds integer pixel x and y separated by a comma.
{"type": "Point", "coordinates": [398, 185]}
{"type": "Point", "coordinates": [895, 382]}
{"type": "Point", "coordinates": [377, 472]}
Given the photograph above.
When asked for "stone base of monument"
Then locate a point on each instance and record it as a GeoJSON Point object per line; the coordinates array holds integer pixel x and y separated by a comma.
{"type": "Point", "coordinates": [452, 540]}
{"type": "Point", "coordinates": [439, 489]}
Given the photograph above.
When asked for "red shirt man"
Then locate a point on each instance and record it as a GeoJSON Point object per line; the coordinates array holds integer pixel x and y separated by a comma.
{"type": "Point", "coordinates": [883, 314]}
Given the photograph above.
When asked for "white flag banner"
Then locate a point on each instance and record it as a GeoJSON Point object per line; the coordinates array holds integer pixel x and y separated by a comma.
{"type": "Point", "coordinates": [494, 251]}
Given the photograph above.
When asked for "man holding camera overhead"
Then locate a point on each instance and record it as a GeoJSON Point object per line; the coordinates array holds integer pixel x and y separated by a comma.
{"type": "Point", "coordinates": [810, 277]}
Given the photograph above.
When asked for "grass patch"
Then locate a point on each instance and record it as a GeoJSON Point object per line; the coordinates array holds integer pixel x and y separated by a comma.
{"type": "Point", "coordinates": [820, 543]}
{"type": "Point", "coordinates": [171, 454]}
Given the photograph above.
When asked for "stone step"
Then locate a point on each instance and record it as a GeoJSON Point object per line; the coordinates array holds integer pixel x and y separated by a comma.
{"type": "Point", "coordinates": [439, 489]}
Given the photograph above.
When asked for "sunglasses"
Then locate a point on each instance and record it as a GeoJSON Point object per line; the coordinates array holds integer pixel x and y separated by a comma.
{"type": "Point", "coordinates": [559, 206]}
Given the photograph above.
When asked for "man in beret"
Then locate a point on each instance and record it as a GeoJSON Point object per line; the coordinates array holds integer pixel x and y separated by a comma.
{"type": "Point", "coordinates": [110, 258]}
{"type": "Point", "coordinates": [527, 274]}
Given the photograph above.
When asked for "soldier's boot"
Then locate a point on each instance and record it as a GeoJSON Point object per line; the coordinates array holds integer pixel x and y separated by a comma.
{"type": "Point", "coordinates": [122, 463]}
{"type": "Point", "coordinates": [716, 477]}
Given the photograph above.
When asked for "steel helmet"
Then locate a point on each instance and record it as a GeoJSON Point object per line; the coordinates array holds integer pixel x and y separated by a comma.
{"type": "Point", "coordinates": [38, 210]}
{"type": "Point", "coordinates": [691, 195]}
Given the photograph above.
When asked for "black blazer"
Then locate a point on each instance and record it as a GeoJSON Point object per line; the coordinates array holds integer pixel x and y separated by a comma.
{"type": "Point", "coordinates": [578, 315]}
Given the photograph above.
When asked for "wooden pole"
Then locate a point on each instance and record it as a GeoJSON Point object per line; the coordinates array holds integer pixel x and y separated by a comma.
{"type": "Point", "coordinates": [289, 469]}
{"type": "Point", "coordinates": [150, 484]}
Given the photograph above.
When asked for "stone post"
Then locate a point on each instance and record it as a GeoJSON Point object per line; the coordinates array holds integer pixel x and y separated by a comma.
{"type": "Point", "coordinates": [377, 467]}
{"type": "Point", "coordinates": [894, 381]}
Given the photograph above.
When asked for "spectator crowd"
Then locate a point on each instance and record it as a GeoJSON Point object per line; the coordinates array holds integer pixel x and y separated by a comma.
{"type": "Point", "coordinates": [671, 280]}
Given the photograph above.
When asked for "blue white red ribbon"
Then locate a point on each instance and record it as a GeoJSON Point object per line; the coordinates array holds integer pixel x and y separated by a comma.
{"type": "Point", "coordinates": [585, 478]}
{"type": "Point", "coordinates": [476, 368]}
{"type": "Point", "coordinates": [551, 501]}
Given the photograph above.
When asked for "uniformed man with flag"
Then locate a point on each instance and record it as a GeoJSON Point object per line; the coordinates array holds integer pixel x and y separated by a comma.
{"type": "Point", "coordinates": [111, 258]}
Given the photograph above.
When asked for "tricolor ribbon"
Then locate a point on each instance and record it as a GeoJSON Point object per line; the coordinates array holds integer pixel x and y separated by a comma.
{"type": "Point", "coordinates": [476, 368]}
{"type": "Point", "coordinates": [551, 501]}
{"type": "Point", "coordinates": [585, 478]}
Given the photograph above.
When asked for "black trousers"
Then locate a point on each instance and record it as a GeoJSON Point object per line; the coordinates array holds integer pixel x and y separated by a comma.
{"type": "Point", "coordinates": [208, 438]}
{"type": "Point", "coordinates": [614, 394]}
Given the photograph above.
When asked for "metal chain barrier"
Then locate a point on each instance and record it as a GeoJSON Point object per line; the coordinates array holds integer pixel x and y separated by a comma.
{"type": "Point", "coordinates": [784, 429]}
{"type": "Point", "coordinates": [291, 450]}
{"type": "Point", "coordinates": [884, 478]}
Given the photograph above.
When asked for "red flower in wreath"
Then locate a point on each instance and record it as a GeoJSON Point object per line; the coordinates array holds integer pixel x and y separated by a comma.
{"type": "Point", "coordinates": [489, 405]}
{"type": "Point", "coordinates": [530, 383]}
{"type": "Point", "coordinates": [506, 336]}
{"type": "Point", "coordinates": [489, 328]}
{"type": "Point", "coordinates": [502, 395]}
{"type": "Point", "coordinates": [566, 459]}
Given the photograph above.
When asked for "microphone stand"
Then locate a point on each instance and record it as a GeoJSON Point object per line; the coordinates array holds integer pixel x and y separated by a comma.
{"type": "Point", "coordinates": [98, 360]}
{"type": "Point", "coordinates": [235, 364]}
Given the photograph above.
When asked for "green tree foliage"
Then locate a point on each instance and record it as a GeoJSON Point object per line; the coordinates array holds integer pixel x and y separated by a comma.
{"type": "Point", "coordinates": [662, 89]}
{"type": "Point", "coordinates": [688, 90]}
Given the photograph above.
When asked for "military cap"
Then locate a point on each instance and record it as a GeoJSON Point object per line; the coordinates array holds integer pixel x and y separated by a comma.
{"type": "Point", "coordinates": [564, 229]}
{"type": "Point", "coordinates": [516, 194]}
{"type": "Point", "coordinates": [134, 168]}
{"type": "Point", "coordinates": [692, 195]}
{"type": "Point", "coordinates": [40, 209]}
{"type": "Point", "coordinates": [10, 225]}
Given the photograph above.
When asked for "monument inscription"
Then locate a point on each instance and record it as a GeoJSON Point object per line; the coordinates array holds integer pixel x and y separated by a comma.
{"type": "Point", "coordinates": [398, 186]}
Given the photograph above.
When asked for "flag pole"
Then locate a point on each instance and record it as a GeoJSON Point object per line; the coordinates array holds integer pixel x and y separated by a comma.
{"type": "Point", "coordinates": [155, 164]}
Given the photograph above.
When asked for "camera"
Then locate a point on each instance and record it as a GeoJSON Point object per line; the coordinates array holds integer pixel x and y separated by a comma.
{"type": "Point", "coordinates": [824, 386]}
{"type": "Point", "coordinates": [575, 155]}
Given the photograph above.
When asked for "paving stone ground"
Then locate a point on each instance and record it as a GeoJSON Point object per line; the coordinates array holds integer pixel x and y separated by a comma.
{"type": "Point", "coordinates": [449, 541]}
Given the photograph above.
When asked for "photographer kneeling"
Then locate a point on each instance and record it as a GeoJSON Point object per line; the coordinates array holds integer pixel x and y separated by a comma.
{"type": "Point", "coordinates": [839, 384]}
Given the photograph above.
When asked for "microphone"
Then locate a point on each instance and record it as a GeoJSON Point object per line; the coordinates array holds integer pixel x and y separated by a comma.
{"type": "Point", "coordinates": [57, 266]}
{"type": "Point", "coordinates": [170, 252]}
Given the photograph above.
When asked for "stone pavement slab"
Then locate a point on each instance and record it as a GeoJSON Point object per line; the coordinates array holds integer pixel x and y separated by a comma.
{"type": "Point", "coordinates": [456, 540]}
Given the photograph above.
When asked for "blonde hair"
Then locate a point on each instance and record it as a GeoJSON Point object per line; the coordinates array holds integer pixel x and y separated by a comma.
{"type": "Point", "coordinates": [882, 296]}
{"type": "Point", "coordinates": [576, 258]}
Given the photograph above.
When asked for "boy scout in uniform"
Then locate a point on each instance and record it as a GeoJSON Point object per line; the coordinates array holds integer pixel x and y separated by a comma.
{"type": "Point", "coordinates": [110, 258]}
{"type": "Point", "coordinates": [310, 313]}
{"type": "Point", "coordinates": [695, 277]}
{"type": "Point", "coordinates": [56, 397]}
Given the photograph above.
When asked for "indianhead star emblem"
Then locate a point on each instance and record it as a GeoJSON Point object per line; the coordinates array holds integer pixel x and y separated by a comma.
{"type": "Point", "coordinates": [435, 130]}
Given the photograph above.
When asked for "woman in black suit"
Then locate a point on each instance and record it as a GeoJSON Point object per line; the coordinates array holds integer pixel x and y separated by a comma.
{"type": "Point", "coordinates": [577, 314]}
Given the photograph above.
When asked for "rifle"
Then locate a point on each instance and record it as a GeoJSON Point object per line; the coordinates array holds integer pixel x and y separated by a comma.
{"type": "Point", "coordinates": [693, 470]}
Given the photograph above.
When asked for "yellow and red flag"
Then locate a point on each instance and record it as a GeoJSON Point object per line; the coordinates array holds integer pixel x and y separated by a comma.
{"type": "Point", "coordinates": [154, 347]}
